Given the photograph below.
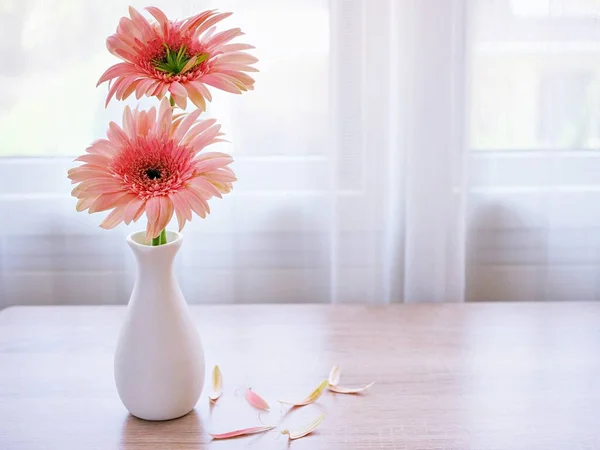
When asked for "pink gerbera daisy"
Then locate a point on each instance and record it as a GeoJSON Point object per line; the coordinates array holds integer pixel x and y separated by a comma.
{"type": "Point", "coordinates": [153, 165]}
{"type": "Point", "coordinates": [180, 57]}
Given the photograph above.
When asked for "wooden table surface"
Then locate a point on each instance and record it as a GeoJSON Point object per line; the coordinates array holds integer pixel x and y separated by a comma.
{"type": "Point", "coordinates": [448, 376]}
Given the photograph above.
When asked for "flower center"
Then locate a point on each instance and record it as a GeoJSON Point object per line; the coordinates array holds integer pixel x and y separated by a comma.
{"type": "Point", "coordinates": [153, 174]}
{"type": "Point", "coordinates": [176, 62]}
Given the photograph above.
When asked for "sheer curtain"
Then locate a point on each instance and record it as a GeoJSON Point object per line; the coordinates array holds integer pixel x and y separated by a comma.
{"type": "Point", "coordinates": [393, 151]}
{"type": "Point", "coordinates": [535, 134]}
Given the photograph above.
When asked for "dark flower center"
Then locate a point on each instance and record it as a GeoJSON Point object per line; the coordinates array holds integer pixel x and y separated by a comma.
{"type": "Point", "coordinates": [153, 174]}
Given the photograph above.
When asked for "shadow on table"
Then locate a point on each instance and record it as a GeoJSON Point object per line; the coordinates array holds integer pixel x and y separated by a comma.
{"type": "Point", "coordinates": [186, 432]}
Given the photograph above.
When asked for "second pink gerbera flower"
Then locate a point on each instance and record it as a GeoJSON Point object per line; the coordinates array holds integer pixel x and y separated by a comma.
{"type": "Point", "coordinates": [180, 57]}
{"type": "Point", "coordinates": [153, 165]}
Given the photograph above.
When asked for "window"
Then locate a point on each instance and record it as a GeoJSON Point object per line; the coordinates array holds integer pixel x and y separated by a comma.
{"type": "Point", "coordinates": [535, 133]}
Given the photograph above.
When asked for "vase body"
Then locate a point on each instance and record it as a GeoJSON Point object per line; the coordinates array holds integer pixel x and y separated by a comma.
{"type": "Point", "coordinates": [159, 361]}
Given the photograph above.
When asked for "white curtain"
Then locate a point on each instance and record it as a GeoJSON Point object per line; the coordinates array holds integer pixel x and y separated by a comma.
{"type": "Point", "coordinates": [534, 215]}
{"type": "Point", "coordinates": [393, 151]}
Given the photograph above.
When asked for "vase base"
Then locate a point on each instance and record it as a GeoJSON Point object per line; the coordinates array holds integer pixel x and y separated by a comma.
{"type": "Point", "coordinates": [162, 419]}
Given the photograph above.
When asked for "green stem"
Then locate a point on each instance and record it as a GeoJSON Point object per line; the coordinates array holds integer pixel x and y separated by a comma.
{"type": "Point", "coordinates": [161, 239]}
{"type": "Point", "coordinates": [171, 101]}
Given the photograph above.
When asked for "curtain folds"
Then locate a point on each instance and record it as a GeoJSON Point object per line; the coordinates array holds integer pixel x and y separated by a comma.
{"type": "Point", "coordinates": [400, 140]}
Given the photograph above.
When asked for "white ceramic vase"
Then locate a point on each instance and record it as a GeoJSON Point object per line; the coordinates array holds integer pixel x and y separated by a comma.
{"type": "Point", "coordinates": [159, 362]}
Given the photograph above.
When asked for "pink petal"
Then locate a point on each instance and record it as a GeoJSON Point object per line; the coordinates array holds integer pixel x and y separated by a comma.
{"type": "Point", "coordinates": [202, 89]}
{"type": "Point", "coordinates": [127, 86]}
{"type": "Point", "coordinates": [152, 213]}
{"type": "Point", "coordinates": [204, 188]}
{"type": "Point", "coordinates": [189, 120]}
{"type": "Point", "coordinates": [241, 86]}
{"type": "Point", "coordinates": [214, 155]}
{"type": "Point", "coordinates": [128, 30]}
{"type": "Point", "coordinates": [239, 76]}
{"type": "Point", "coordinates": [237, 67]}
{"type": "Point", "coordinates": [221, 176]}
{"type": "Point", "coordinates": [197, 202]}
{"type": "Point", "coordinates": [127, 56]}
{"type": "Point", "coordinates": [165, 116]}
{"type": "Point", "coordinates": [160, 85]}
{"type": "Point", "coordinates": [116, 134]}
{"type": "Point", "coordinates": [128, 123]}
{"type": "Point", "coordinates": [181, 205]}
{"type": "Point", "coordinates": [139, 213]}
{"type": "Point", "coordinates": [210, 22]}
{"type": "Point", "coordinates": [202, 140]}
{"type": "Point", "coordinates": [216, 141]}
{"type": "Point", "coordinates": [195, 96]}
{"type": "Point", "coordinates": [166, 212]}
{"type": "Point", "coordinates": [242, 432]}
{"type": "Point", "coordinates": [100, 186]}
{"type": "Point", "coordinates": [220, 83]}
{"type": "Point", "coordinates": [113, 219]}
{"type": "Point", "coordinates": [223, 188]}
{"type": "Point", "coordinates": [143, 124]}
{"type": "Point", "coordinates": [161, 90]}
{"type": "Point", "coordinates": [110, 200]}
{"type": "Point", "coordinates": [160, 17]}
{"type": "Point", "coordinates": [130, 89]}
{"type": "Point", "coordinates": [151, 117]}
{"type": "Point", "coordinates": [236, 47]}
{"type": "Point", "coordinates": [224, 37]}
{"type": "Point", "coordinates": [102, 147]}
{"type": "Point", "coordinates": [132, 209]}
{"type": "Point", "coordinates": [113, 89]}
{"type": "Point", "coordinates": [177, 89]}
{"type": "Point", "coordinates": [180, 220]}
{"type": "Point", "coordinates": [208, 35]}
{"type": "Point", "coordinates": [83, 173]}
{"type": "Point", "coordinates": [256, 400]}
{"type": "Point", "coordinates": [211, 164]}
{"type": "Point", "coordinates": [192, 22]}
{"type": "Point", "coordinates": [198, 129]}
{"type": "Point", "coordinates": [312, 397]}
{"type": "Point", "coordinates": [177, 119]}
{"type": "Point", "coordinates": [94, 159]}
{"type": "Point", "coordinates": [180, 101]}
{"type": "Point", "coordinates": [141, 23]}
{"type": "Point", "coordinates": [84, 203]}
{"type": "Point", "coordinates": [144, 86]}
{"type": "Point", "coordinates": [120, 69]}
{"type": "Point", "coordinates": [115, 45]}
{"type": "Point", "coordinates": [238, 58]}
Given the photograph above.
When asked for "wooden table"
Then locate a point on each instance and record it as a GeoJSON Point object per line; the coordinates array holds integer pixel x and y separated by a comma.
{"type": "Point", "coordinates": [448, 376]}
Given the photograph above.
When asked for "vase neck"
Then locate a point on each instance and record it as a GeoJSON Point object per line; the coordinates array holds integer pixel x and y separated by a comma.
{"type": "Point", "coordinates": [153, 261]}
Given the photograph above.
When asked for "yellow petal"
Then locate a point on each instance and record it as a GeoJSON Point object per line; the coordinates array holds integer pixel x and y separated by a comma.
{"type": "Point", "coordinates": [334, 376]}
{"type": "Point", "coordinates": [242, 432]}
{"type": "Point", "coordinates": [314, 395]}
{"type": "Point", "coordinates": [347, 390]}
{"type": "Point", "coordinates": [306, 430]}
{"type": "Point", "coordinates": [217, 384]}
